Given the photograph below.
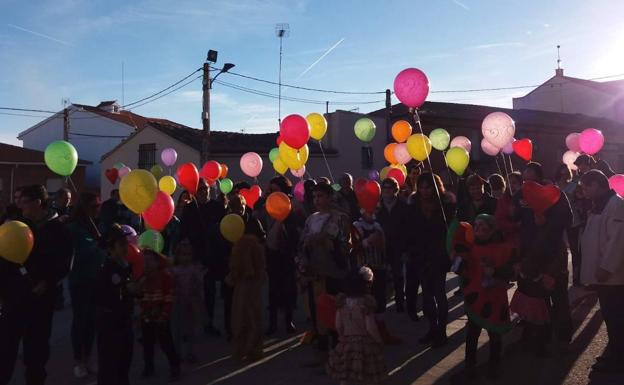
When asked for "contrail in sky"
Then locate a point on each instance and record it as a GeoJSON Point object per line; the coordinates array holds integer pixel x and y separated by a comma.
{"type": "Point", "coordinates": [40, 34]}
{"type": "Point", "coordinates": [459, 3]}
{"type": "Point", "coordinates": [333, 47]}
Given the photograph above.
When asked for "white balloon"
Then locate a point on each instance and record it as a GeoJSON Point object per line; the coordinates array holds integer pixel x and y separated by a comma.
{"type": "Point", "coordinates": [498, 128]}
{"type": "Point", "coordinates": [401, 154]}
{"type": "Point", "coordinates": [569, 158]}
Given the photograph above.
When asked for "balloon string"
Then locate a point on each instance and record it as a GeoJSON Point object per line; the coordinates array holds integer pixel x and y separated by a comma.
{"type": "Point", "coordinates": [510, 163]}
{"type": "Point", "coordinates": [498, 165]}
{"type": "Point", "coordinates": [326, 162]}
{"type": "Point", "coordinates": [72, 183]}
{"type": "Point", "coordinates": [507, 174]}
{"type": "Point", "coordinates": [448, 170]}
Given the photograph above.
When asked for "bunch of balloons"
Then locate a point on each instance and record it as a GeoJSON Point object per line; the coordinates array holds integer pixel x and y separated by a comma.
{"type": "Point", "coordinates": [292, 151]}
{"type": "Point", "coordinates": [590, 141]}
{"type": "Point", "coordinates": [498, 131]}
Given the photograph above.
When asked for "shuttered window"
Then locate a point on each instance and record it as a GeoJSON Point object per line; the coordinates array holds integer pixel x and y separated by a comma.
{"type": "Point", "coordinates": [147, 155]}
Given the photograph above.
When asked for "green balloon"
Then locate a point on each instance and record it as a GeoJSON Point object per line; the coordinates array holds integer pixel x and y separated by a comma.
{"type": "Point", "coordinates": [274, 154]}
{"type": "Point", "coordinates": [152, 239]}
{"type": "Point", "coordinates": [440, 139]}
{"type": "Point", "coordinates": [226, 185]}
{"type": "Point", "coordinates": [336, 187]}
{"type": "Point", "coordinates": [119, 166]}
{"type": "Point", "coordinates": [61, 157]}
{"type": "Point", "coordinates": [157, 171]}
{"type": "Point", "coordinates": [365, 129]}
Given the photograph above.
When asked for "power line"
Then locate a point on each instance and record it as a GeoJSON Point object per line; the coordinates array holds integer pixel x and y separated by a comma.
{"type": "Point", "coordinates": [26, 110]}
{"type": "Point", "coordinates": [99, 136]}
{"type": "Point", "coordinates": [163, 95]}
{"type": "Point", "coordinates": [25, 115]}
{"type": "Point", "coordinates": [163, 90]}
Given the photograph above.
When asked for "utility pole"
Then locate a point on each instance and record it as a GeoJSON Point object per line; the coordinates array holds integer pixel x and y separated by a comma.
{"type": "Point", "coordinates": [205, 148]}
{"type": "Point", "coordinates": [66, 124]}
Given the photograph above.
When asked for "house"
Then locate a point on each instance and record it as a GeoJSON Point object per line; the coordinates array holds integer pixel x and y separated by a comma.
{"type": "Point", "coordinates": [93, 130]}
{"type": "Point", "coordinates": [22, 166]}
{"type": "Point", "coordinates": [577, 96]}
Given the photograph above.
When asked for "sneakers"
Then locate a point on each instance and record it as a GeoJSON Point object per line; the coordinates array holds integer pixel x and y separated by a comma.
{"type": "Point", "coordinates": [80, 371]}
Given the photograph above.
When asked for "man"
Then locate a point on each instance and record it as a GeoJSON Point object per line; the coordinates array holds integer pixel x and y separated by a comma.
{"type": "Point", "coordinates": [114, 211]}
{"type": "Point", "coordinates": [13, 211]}
{"type": "Point", "coordinates": [602, 246]}
{"type": "Point", "coordinates": [62, 203]}
{"type": "Point", "coordinates": [584, 163]}
{"type": "Point", "coordinates": [29, 318]}
{"type": "Point", "coordinates": [476, 202]}
{"type": "Point", "coordinates": [346, 199]}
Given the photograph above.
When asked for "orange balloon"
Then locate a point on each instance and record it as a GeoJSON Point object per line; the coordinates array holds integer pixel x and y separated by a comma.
{"type": "Point", "coordinates": [224, 171]}
{"type": "Point", "coordinates": [278, 206]}
{"type": "Point", "coordinates": [401, 130]}
{"type": "Point", "coordinates": [389, 153]}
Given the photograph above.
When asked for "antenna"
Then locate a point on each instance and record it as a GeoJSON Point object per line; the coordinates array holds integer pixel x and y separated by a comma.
{"type": "Point", "coordinates": [65, 102]}
{"type": "Point", "coordinates": [282, 30]}
{"type": "Point", "coordinates": [123, 98]}
{"type": "Point", "coordinates": [558, 57]}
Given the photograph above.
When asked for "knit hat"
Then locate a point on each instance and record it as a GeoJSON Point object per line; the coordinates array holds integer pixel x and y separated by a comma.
{"type": "Point", "coordinates": [490, 220]}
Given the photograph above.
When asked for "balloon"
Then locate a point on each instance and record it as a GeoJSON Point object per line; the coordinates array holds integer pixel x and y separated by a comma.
{"type": "Point", "coordinates": [125, 170]}
{"type": "Point", "coordinates": [251, 164]}
{"type": "Point", "coordinates": [119, 165]}
{"type": "Point", "coordinates": [169, 156]}
{"type": "Point", "coordinates": [278, 206]}
{"type": "Point", "coordinates": [137, 190]}
{"type": "Point", "coordinates": [293, 158]}
{"type": "Point", "coordinates": [401, 130]}
{"type": "Point", "coordinates": [523, 148]}
{"type": "Point", "coordinates": [489, 148]}
{"type": "Point", "coordinates": [273, 154]}
{"type": "Point", "coordinates": [440, 139]}
{"type": "Point", "coordinates": [389, 153]}
{"type": "Point", "coordinates": [298, 173]}
{"type": "Point", "coordinates": [226, 185]}
{"type": "Point", "coordinates": [224, 171]}
{"type": "Point", "coordinates": [251, 195]}
{"type": "Point", "coordinates": [188, 177]}
{"type": "Point", "coordinates": [401, 154]}
{"type": "Point", "coordinates": [153, 240]}
{"type": "Point", "coordinates": [616, 182]}
{"type": "Point", "coordinates": [295, 131]}
{"type": "Point", "coordinates": [461, 141]}
{"type": "Point", "coordinates": [457, 159]}
{"type": "Point", "coordinates": [131, 234]}
{"type": "Point", "coordinates": [498, 128]}
{"type": "Point", "coordinates": [157, 171]}
{"type": "Point", "coordinates": [279, 140]}
{"type": "Point", "coordinates": [136, 259]}
{"type": "Point", "coordinates": [299, 191]}
{"type": "Point", "coordinates": [373, 175]}
{"type": "Point", "coordinates": [572, 142]}
{"type": "Point", "coordinates": [279, 166]}
{"type": "Point", "coordinates": [112, 174]}
{"type": "Point", "coordinates": [398, 175]}
{"type": "Point", "coordinates": [211, 170]}
{"type": "Point", "coordinates": [411, 87]}
{"type": "Point", "coordinates": [367, 193]}
{"type": "Point", "coordinates": [365, 129]}
{"type": "Point", "coordinates": [167, 184]}
{"type": "Point", "coordinates": [591, 141]}
{"type": "Point", "coordinates": [16, 242]}
{"type": "Point", "coordinates": [61, 157]}
{"type": "Point", "coordinates": [569, 157]}
{"type": "Point", "coordinates": [419, 146]}
{"type": "Point", "coordinates": [383, 174]}
{"type": "Point", "coordinates": [318, 125]}
{"type": "Point", "coordinates": [539, 198]}
{"type": "Point", "coordinates": [158, 215]}
{"type": "Point", "coordinates": [232, 227]}
{"type": "Point", "coordinates": [508, 149]}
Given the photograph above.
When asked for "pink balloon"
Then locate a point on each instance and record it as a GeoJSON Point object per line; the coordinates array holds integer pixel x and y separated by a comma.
{"type": "Point", "coordinates": [498, 128]}
{"type": "Point", "coordinates": [616, 182]}
{"type": "Point", "coordinates": [591, 141]}
{"type": "Point", "coordinates": [461, 141]}
{"type": "Point", "coordinates": [169, 156]}
{"type": "Point", "coordinates": [401, 154]}
{"type": "Point", "coordinates": [251, 164]}
{"type": "Point", "coordinates": [295, 131]}
{"type": "Point", "coordinates": [572, 141]}
{"type": "Point", "coordinates": [411, 87]}
{"type": "Point", "coordinates": [125, 170]}
{"type": "Point", "coordinates": [569, 158]}
{"type": "Point", "coordinates": [489, 148]}
{"type": "Point", "coordinates": [299, 191]}
{"type": "Point", "coordinates": [508, 149]}
{"type": "Point", "coordinates": [298, 173]}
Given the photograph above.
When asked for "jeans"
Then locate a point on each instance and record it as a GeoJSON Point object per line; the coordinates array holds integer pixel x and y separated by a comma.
{"type": "Point", "coordinates": [435, 304]}
{"type": "Point", "coordinates": [412, 283]}
{"type": "Point", "coordinates": [210, 295]}
{"type": "Point", "coordinates": [560, 310]}
{"type": "Point", "coordinates": [611, 304]}
{"type": "Point", "coordinates": [83, 321]}
{"type": "Point", "coordinates": [398, 280]}
{"type": "Point", "coordinates": [472, 338]}
{"type": "Point", "coordinates": [158, 332]}
{"type": "Point", "coordinates": [115, 343]}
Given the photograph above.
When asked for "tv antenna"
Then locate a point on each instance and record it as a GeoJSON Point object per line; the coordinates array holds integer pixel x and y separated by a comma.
{"type": "Point", "coordinates": [282, 30]}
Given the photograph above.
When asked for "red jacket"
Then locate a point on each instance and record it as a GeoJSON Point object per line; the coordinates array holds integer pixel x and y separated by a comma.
{"type": "Point", "coordinates": [158, 295]}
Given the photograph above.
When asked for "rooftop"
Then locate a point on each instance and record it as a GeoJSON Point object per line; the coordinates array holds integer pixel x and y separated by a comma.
{"type": "Point", "coordinates": [15, 154]}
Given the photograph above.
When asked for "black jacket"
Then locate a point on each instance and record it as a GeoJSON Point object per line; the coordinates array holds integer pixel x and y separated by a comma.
{"type": "Point", "coordinates": [200, 223]}
{"type": "Point", "coordinates": [467, 211]}
{"type": "Point", "coordinates": [114, 302]}
{"type": "Point", "coordinates": [395, 224]}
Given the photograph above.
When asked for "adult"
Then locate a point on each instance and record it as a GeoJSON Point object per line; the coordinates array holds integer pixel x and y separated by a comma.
{"type": "Point", "coordinates": [504, 204]}
{"type": "Point", "coordinates": [88, 258]}
{"type": "Point", "coordinates": [429, 216]}
{"type": "Point", "coordinates": [476, 201]}
{"type": "Point", "coordinates": [62, 203]}
{"type": "Point", "coordinates": [564, 179]}
{"type": "Point", "coordinates": [30, 319]}
{"type": "Point", "coordinates": [584, 163]}
{"type": "Point", "coordinates": [346, 199]}
{"type": "Point", "coordinates": [603, 263]}
{"type": "Point", "coordinates": [13, 211]}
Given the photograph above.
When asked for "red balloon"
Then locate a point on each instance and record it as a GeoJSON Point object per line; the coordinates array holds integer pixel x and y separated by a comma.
{"type": "Point", "coordinates": [523, 148]}
{"type": "Point", "coordinates": [326, 307]}
{"type": "Point", "coordinates": [188, 177]}
{"type": "Point", "coordinates": [397, 174]}
{"type": "Point", "coordinates": [211, 170]}
{"type": "Point", "coordinates": [112, 174]}
{"type": "Point", "coordinates": [251, 195]}
{"type": "Point", "coordinates": [367, 193]}
{"type": "Point", "coordinates": [539, 198]}
{"type": "Point", "coordinates": [136, 260]}
{"type": "Point", "coordinates": [160, 212]}
{"type": "Point", "coordinates": [295, 131]}
{"type": "Point", "coordinates": [278, 140]}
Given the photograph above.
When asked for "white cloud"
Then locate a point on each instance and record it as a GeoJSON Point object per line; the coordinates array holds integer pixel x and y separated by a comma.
{"type": "Point", "coordinates": [462, 5]}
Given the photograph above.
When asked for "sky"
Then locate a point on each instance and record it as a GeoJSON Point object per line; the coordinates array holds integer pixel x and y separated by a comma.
{"type": "Point", "coordinates": [74, 49]}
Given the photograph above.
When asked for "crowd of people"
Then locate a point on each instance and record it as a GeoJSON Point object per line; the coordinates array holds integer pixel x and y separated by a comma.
{"type": "Point", "coordinates": [344, 266]}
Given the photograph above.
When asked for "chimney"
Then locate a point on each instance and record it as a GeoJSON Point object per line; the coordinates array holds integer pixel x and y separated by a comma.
{"type": "Point", "coordinates": [559, 72]}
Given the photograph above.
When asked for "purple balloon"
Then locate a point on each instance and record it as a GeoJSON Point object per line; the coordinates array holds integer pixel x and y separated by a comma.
{"type": "Point", "coordinates": [508, 149]}
{"type": "Point", "coordinates": [299, 191]}
{"type": "Point", "coordinates": [169, 156]}
{"type": "Point", "coordinates": [131, 234]}
{"type": "Point", "coordinates": [373, 175]}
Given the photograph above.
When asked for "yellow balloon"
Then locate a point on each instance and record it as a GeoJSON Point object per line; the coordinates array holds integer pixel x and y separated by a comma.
{"type": "Point", "coordinates": [290, 156]}
{"type": "Point", "coordinates": [384, 172]}
{"type": "Point", "coordinates": [304, 154]}
{"type": "Point", "coordinates": [280, 166]}
{"type": "Point", "coordinates": [457, 159]}
{"type": "Point", "coordinates": [232, 227]}
{"type": "Point", "coordinates": [138, 190]}
{"type": "Point", "coordinates": [16, 241]}
{"type": "Point", "coordinates": [167, 184]}
{"type": "Point", "coordinates": [419, 146]}
{"type": "Point", "coordinates": [318, 125]}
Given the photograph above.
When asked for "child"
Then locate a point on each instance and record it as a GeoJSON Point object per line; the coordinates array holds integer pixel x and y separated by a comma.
{"type": "Point", "coordinates": [114, 301]}
{"type": "Point", "coordinates": [485, 269]}
{"type": "Point", "coordinates": [247, 276]}
{"type": "Point", "coordinates": [188, 283]}
{"type": "Point", "coordinates": [156, 303]}
{"type": "Point", "coordinates": [358, 357]}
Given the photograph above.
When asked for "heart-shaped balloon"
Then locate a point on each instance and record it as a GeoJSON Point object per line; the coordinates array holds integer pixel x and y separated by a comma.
{"type": "Point", "coordinates": [112, 174]}
{"type": "Point", "coordinates": [538, 197]}
{"type": "Point", "coordinates": [523, 148]}
{"type": "Point", "coordinates": [367, 193]}
{"type": "Point", "coordinates": [251, 195]}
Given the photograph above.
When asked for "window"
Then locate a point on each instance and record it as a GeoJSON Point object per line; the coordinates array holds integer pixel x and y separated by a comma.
{"type": "Point", "coordinates": [147, 155]}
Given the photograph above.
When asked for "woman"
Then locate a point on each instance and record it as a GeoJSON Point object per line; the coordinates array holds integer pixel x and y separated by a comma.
{"type": "Point", "coordinates": [563, 180]}
{"type": "Point", "coordinates": [88, 258]}
{"type": "Point", "coordinates": [430, 213]}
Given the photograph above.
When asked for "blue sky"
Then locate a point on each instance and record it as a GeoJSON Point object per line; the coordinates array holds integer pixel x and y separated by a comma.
{"type": "Point", "coordinates": [50, 50]}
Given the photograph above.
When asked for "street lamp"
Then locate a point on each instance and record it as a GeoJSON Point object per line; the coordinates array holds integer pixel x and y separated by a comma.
{"type": "Point", "coordinates": [226, 68]}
